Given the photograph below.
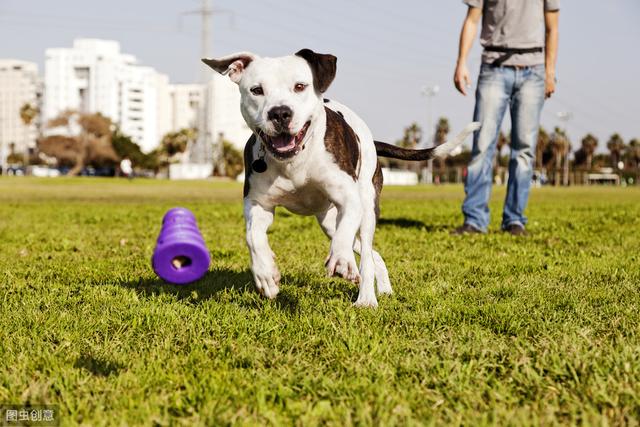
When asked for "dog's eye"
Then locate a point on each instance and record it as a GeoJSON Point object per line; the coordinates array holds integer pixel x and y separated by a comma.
{"type": "Point", "coordinates": [299, 87]}
{"type": "Point", "coordinates": [257, 90]}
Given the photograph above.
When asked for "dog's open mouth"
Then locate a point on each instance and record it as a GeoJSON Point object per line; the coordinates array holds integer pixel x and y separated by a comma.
{"type": "Point", "coordinates": [284, 145]}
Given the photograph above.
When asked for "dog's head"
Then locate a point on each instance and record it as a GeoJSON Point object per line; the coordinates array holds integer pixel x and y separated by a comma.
{"type": "Point", "coordinates": [279, 96]}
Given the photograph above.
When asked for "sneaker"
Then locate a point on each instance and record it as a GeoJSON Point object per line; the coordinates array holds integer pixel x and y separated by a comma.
{"type": "Point", "coordinates": [466, 229]}
{"type": "Point", "coordinates": [516, 230]}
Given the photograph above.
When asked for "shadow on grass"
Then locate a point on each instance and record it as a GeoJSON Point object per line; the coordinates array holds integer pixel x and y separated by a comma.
{"type": "Point", "coordinates": [410, 223]}
{"type": "Point", "coordinates": [214, 282]}
{"type": "Point", "coordinates": [213, 285]}
{"type": "Point", "coordinates": [97, 366]}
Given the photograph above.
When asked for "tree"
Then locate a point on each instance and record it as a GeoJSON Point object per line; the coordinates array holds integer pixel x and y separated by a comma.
{"type": "Point", "coordinates": [560, 146]}
{"type": "Point", "coordinates": [28, 114]}
{"type": "Point", "coordinates": [601, 160]}
{"type": "Point", "coordinates": [412, 135]}
{"type": "Point", "coordinates": [90, 146]}
{"type": "Point", "coordinates": [233, 160]}
{"type": "Point", "coordinates": [440, 137]}
{"type": "Point", "coordinates": [503, 141]}
{"type": "Point", "coordinates": [542, 146]}
{"type": "Point", "coordinates": [124, 146]}
{"type": "Point", "coordinates": [615, 145]}
{"type": "Point", "coordinates": [62, 119]}
{"type": "Point", "coordinates": [633, 155]}
{"type": "Point", "coordinates": [442, 130]}
{"type": "Point", "coordinates": [174, 146]}
{"type": "Point", "coordinates": [64, 149]}
{"type": "Point", "coordinates": [13, 157]}
{"type": "Point", "coordinates": [177, 142]}
{"type": "Point", "coordinates": [584, 155]}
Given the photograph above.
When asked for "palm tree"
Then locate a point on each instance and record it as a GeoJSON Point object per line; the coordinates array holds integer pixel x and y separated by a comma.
{"type": "Point", "coordinates": [633, 154]}
{"type": "Point", "coordinates": [412, 135]}
{"type": "Point", "coordinates": [28, 113]}
{"type": "Point", "coordinates": [615, 145]}
{"type": "Point", "coordinates": [560, 146]}
{"type": "Point", "coordinates": [442, 130]}
{"type": "Point", "coordinates": [440, 137]}
{"type": "Point", "coordinates": [176, 143]}
{"type": "Point", "coordinates": [541, 146]}
{"type": "Point", "coordinates": [588, 146]}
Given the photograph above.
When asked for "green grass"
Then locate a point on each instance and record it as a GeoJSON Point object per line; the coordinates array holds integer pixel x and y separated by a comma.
{"type": "Point", "coordinates": [481, 329]}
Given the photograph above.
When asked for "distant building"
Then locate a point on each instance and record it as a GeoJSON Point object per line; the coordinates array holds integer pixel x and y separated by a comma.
{"type": "Point", "coordinates": [19, 85]}
{"type": "Point", "coordinates": [185, 102]}
{"type": "Point", "coordinates": [95, 77]}
{"type": "Point", "coordinates": [222, 110]}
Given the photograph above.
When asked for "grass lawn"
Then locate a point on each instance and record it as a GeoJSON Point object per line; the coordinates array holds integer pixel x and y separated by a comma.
{"type": "Point", "coordinates": [480, 330]}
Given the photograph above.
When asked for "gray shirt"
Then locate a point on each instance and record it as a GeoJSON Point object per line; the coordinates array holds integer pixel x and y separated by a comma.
{"type": "Point", "coordinates": [514, 23]}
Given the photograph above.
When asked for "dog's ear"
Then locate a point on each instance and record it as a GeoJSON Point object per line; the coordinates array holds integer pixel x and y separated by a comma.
{"type": "Point", "coordinates": [323, 67]}
{"type": "Point", "coordinates": [233, 65]}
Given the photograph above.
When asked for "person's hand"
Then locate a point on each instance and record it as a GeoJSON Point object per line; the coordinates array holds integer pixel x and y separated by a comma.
{"type": "Point", "coordinates": [549, 83]}
{"type": "Point", "coordinates": [461, 78]}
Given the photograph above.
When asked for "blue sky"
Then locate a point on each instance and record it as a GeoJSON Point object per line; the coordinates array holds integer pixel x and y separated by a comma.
{"type": "Point", "coordinates": [387, 51]}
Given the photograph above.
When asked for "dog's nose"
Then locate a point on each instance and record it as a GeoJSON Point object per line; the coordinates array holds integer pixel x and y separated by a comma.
{"type": "Point", "coordinates": [280, 115]}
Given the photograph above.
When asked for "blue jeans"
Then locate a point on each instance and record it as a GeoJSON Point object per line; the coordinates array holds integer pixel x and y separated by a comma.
{"type": "Point", "coordinates": [522, 90]}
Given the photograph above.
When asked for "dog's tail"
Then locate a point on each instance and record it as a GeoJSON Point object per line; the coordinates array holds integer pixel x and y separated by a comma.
{"type": "Point", "coordinates": [387, 150]}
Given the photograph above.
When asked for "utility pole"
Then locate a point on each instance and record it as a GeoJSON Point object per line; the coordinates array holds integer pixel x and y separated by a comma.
{"type": "Point", "coordinates": [206, 150]}
{"type": "Point", "coordinates": [205, 13]}
{"type": "Point", "coordinates": [565, 117]}
{"type": "Point", "coordinates": [430, 92]}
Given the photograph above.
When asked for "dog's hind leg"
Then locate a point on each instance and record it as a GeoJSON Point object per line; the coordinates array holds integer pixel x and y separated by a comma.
{"type": "Point", "coordinates": [367, 294]}
{"type": "Point", "coordinates": [383, 284]}
{"type": "Point", "coordinates": [327, 221]}
{"type": "Point", "coordinates": [265, 272]}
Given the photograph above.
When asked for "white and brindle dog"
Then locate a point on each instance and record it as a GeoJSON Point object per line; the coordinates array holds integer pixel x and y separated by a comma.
{"type": "Point", "coordinates": [314, 157]}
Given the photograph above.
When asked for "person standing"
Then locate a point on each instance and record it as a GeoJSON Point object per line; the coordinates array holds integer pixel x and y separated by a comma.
{"type": "Point", "coordinates": [126, 167]}
{"type": "Point", "coordinates": [520, 41]}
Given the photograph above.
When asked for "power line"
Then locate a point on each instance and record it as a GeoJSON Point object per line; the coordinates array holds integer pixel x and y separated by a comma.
{"type": "Point", "coordinates": [435, 59]}
{"type": "Point", "coordinates": [365, 23]}
{"type": "Point", "coordinates": [93, 26]}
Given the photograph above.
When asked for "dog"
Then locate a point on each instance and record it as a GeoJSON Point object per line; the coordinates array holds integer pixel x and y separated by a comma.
{"type": "Point", "coordinates": [313, 156]}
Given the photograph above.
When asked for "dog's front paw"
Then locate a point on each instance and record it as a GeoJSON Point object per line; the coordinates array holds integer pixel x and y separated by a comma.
{"type": "Point", "coordinates": [267, 281]}
{"type": "Point", "coordinates": [343, 264]}
{"type": "Point", "coordinates": [368, 300]}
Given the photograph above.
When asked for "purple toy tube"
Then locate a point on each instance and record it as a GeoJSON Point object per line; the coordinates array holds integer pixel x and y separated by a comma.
{"type": "Point", "coordinates": [181, 255]}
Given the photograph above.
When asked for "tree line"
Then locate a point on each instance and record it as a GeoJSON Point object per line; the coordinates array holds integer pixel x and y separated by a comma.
{"type": "Point", "coordinates": [75, 141]}
{"type": "Point", "coordinates": [553, 152]}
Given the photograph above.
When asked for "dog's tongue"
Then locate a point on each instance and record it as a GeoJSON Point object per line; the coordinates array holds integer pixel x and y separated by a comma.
{"type": "Point", "coordinates": [283, 142]}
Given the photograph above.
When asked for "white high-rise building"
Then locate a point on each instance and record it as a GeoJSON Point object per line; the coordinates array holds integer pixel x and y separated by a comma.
{"type": "Point", "coordinates": [19, 85]}
{"type": "Point", "coordinates": [185, 102]}
{"type": "Point", "coordinates": [224, 110]}
{"type": "Point", "coordinates": [95, 77]}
